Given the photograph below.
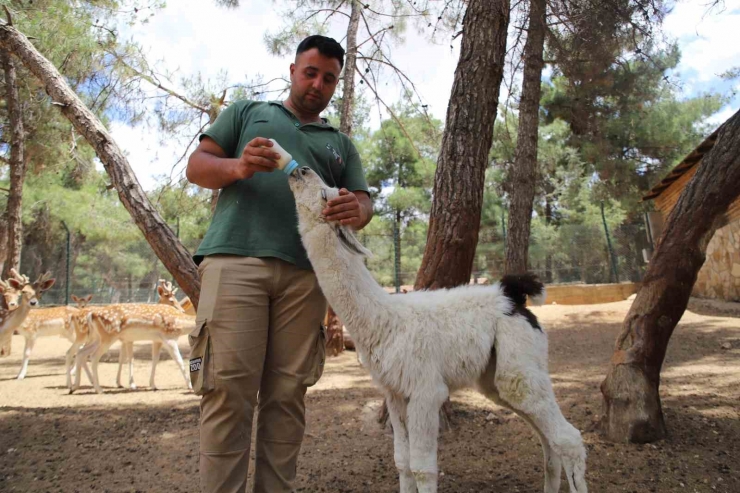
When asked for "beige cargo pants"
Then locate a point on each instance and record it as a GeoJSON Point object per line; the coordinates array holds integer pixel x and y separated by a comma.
{"type": "Point", "coordinates": [258, 343]}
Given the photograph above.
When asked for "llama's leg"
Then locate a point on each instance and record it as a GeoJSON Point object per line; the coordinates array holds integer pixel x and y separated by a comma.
{"type": "Point", "coordinates": [30, 341]}
{"type": "Point", "coordinates": [521, 381]}
{"type": "Point", "coordinates": [156, 348]}
{"type": "Point", "coordinates": [553, 464]}
{"type": "Point", "coordinates": [174, 350]}
{"type": "Point", "coordinates": [423, 426]}
{"type": "Point", "coordinates": [397, 413]}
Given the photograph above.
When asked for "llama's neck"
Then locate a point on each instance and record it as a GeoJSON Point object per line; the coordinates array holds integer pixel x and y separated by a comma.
{"type": "Point", "coordinates": [348, 286]}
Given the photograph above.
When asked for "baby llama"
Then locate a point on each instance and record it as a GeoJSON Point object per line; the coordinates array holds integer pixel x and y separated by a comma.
{"type": "Point", "coordinates": [421, 346]}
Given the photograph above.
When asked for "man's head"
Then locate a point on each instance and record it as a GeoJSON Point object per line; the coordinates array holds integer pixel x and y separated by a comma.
{"type": "Point", "coordinates": [315, 73]}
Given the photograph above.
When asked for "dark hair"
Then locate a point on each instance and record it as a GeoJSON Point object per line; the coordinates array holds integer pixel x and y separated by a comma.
{"type": "Point", "coordinates": [326, 46]}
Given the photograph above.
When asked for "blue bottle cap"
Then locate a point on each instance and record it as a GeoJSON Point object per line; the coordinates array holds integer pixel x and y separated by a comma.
{"type": "Point", "coordinates": [290, 167]}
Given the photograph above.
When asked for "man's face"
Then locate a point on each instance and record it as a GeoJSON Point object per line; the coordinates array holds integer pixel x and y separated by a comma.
{"type": "Point", "coordinates": [313, 80]}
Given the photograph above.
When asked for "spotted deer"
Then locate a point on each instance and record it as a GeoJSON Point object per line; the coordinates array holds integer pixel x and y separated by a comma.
{"type": "Point", "coordinates": [166, 293]}
{"type": "Point", "coordinates": [19, 296]}
{"type": "Point", "coordinates": [188, 306]}
{"type": "Point", "coordinates": [104, 325]}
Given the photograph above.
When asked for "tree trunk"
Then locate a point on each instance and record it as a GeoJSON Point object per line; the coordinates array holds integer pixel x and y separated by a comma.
{"type": "Point", "coordinates": [17, 167]}
{"type": "Point", "coordinates": [522, 177]}
{"type": "Point", "coordinates": [214, 200]}
{"type": "Point", "coordinates": [3, 239]}
{"type": "Point", "coordinates": [350, 62]}
{"type": "Point", "coordinates": [14, 231]}
{"type": "Point", "coordinates": [548, 256]}
{"type": "Point", "coordinates": [632, 408]}
{"type": "Point", "coordinates": [163, 241]}
{"type": "Point", "coordinates": [334, 332]}
{"type": "Point", "coordinates": [459, 179]}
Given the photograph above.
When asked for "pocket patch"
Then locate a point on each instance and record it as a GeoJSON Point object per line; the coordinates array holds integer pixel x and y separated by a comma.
{"type": "Point", "coordinates": [319, 358]}
{"type": "Point", "coordinates": [201, 361]}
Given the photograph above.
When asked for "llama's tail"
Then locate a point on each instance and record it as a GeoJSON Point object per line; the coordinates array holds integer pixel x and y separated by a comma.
{"type": "Point", "coordinates": [518, 286]}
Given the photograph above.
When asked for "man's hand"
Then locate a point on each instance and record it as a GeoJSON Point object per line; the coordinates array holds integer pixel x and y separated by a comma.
{"type": "Point", "coordinates": [345, 209]}
{"type": "Point", "coordinates": [256, 157]}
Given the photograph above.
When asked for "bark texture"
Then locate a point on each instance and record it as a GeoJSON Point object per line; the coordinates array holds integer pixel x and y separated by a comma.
{"type": "Point", "coordinates": [17, 167]}
{"type": "Point", "coordinates": [523, 175]}
{"type": "Point", "coordinates": [632, 407]}
{"type": "Point", "coordinates": [163, 241]}
{"type": "Point", "coordinates": [459, 179]}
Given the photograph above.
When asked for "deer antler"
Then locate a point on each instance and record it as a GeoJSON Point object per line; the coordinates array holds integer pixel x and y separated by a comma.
{"type": "Point", "coordinates": [166, 285]}
{"type": "Point", "coordinates": [19, 277]}
{"type": "Point", "coordinates": [42, 278]}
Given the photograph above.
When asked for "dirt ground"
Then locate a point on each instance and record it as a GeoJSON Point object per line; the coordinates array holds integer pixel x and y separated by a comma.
{"type": "Point", "coordinates": [146, 441]}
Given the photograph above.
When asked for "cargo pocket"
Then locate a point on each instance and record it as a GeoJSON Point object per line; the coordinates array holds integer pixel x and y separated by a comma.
{"type": "Point", "coordinates": [319, 358]}
{"type": "Point", "coordinates": [201, 359]}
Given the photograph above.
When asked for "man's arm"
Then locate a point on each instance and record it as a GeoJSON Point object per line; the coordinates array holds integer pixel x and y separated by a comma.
{"type": "Point", "coordinates": [209, 167]}
{"type": "Point", "coordinates": [353, 209]}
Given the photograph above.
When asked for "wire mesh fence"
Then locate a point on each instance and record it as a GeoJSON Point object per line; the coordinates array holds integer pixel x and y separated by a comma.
{"type": "Point", "coordinates": [565, 254]}
{"type": "Point", "coordinates": [561, 254]}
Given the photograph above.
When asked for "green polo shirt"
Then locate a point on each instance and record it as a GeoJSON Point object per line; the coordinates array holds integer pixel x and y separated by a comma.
{"type": "Point", "coordinates": [257, 217]}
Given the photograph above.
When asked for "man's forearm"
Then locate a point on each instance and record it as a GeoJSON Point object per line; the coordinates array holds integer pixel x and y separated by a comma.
{"type": "Point", "coordinates": [366, 212]}
{"type": "Point", "coordinates": [209, 171]}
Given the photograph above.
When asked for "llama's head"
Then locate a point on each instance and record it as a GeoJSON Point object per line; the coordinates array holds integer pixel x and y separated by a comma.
{"type": "Point", "coordinates": [311, 195]}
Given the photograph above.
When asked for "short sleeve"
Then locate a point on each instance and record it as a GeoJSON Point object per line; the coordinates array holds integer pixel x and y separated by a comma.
{"type": "Point", "coordinates": [353, 177]}
{"type": "Point", "coordinates": [227, 128]}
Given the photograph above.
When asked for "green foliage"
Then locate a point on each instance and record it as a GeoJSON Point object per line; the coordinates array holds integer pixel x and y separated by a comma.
{"type": "Point", "coordinates": [400, 173]}
{"type": "Point", "coordinates": [628, 122]}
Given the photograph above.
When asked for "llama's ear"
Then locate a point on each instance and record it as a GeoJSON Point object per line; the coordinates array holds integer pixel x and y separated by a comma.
{"type": "Point", "coordinates": [350, 242]}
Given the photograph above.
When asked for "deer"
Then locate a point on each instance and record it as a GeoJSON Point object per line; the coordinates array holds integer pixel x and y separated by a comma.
{"type": "Point", "coordinates": [187, 305]}
{"type": "Point", "coordinates": [39, 322]}
{"type": "Point", "coordinates": [19, 296]}
{"type": "Point", "coordinates": [46, 322]}
{"type": "Point", "coordinates": [166, 293]}
{"type": "Point", "coordinates": [102, 326]}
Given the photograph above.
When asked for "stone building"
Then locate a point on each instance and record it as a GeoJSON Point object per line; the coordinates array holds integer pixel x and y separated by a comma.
{"type": "Point", "coordinates": [719, 277]}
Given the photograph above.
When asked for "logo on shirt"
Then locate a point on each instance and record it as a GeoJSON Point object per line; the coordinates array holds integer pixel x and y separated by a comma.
{"type": "Point", "coordinates": [196, 364]}
{"type": "Point", "coordinates": [335, 154]}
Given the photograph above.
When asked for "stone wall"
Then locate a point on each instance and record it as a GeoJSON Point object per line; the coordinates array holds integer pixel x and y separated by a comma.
{"type": "Point", "coordinates": [719, 278]}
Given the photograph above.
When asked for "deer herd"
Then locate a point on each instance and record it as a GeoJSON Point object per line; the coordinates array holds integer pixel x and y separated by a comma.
{"type": "Point", "coordinates": [92, 330]}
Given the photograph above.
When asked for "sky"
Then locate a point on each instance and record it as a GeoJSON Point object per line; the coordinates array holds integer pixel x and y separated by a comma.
{"type": "Point", "coordinates": [194, 36]}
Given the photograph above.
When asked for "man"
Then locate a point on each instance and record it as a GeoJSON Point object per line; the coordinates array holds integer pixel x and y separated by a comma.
{"type": "Point", "coordinates": [258, 341]}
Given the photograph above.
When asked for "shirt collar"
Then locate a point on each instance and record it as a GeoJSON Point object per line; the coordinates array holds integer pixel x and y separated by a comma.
{"type": "Point", "coordinates": [324, 122]}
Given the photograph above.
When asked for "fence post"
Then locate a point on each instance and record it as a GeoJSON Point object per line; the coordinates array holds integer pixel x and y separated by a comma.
{"type": "Point", "coordinates": [66, 276]}
{"type": "Point", "coordinates": [609, 245]}
{"type": "Point", "coordinates": [396, 254]}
